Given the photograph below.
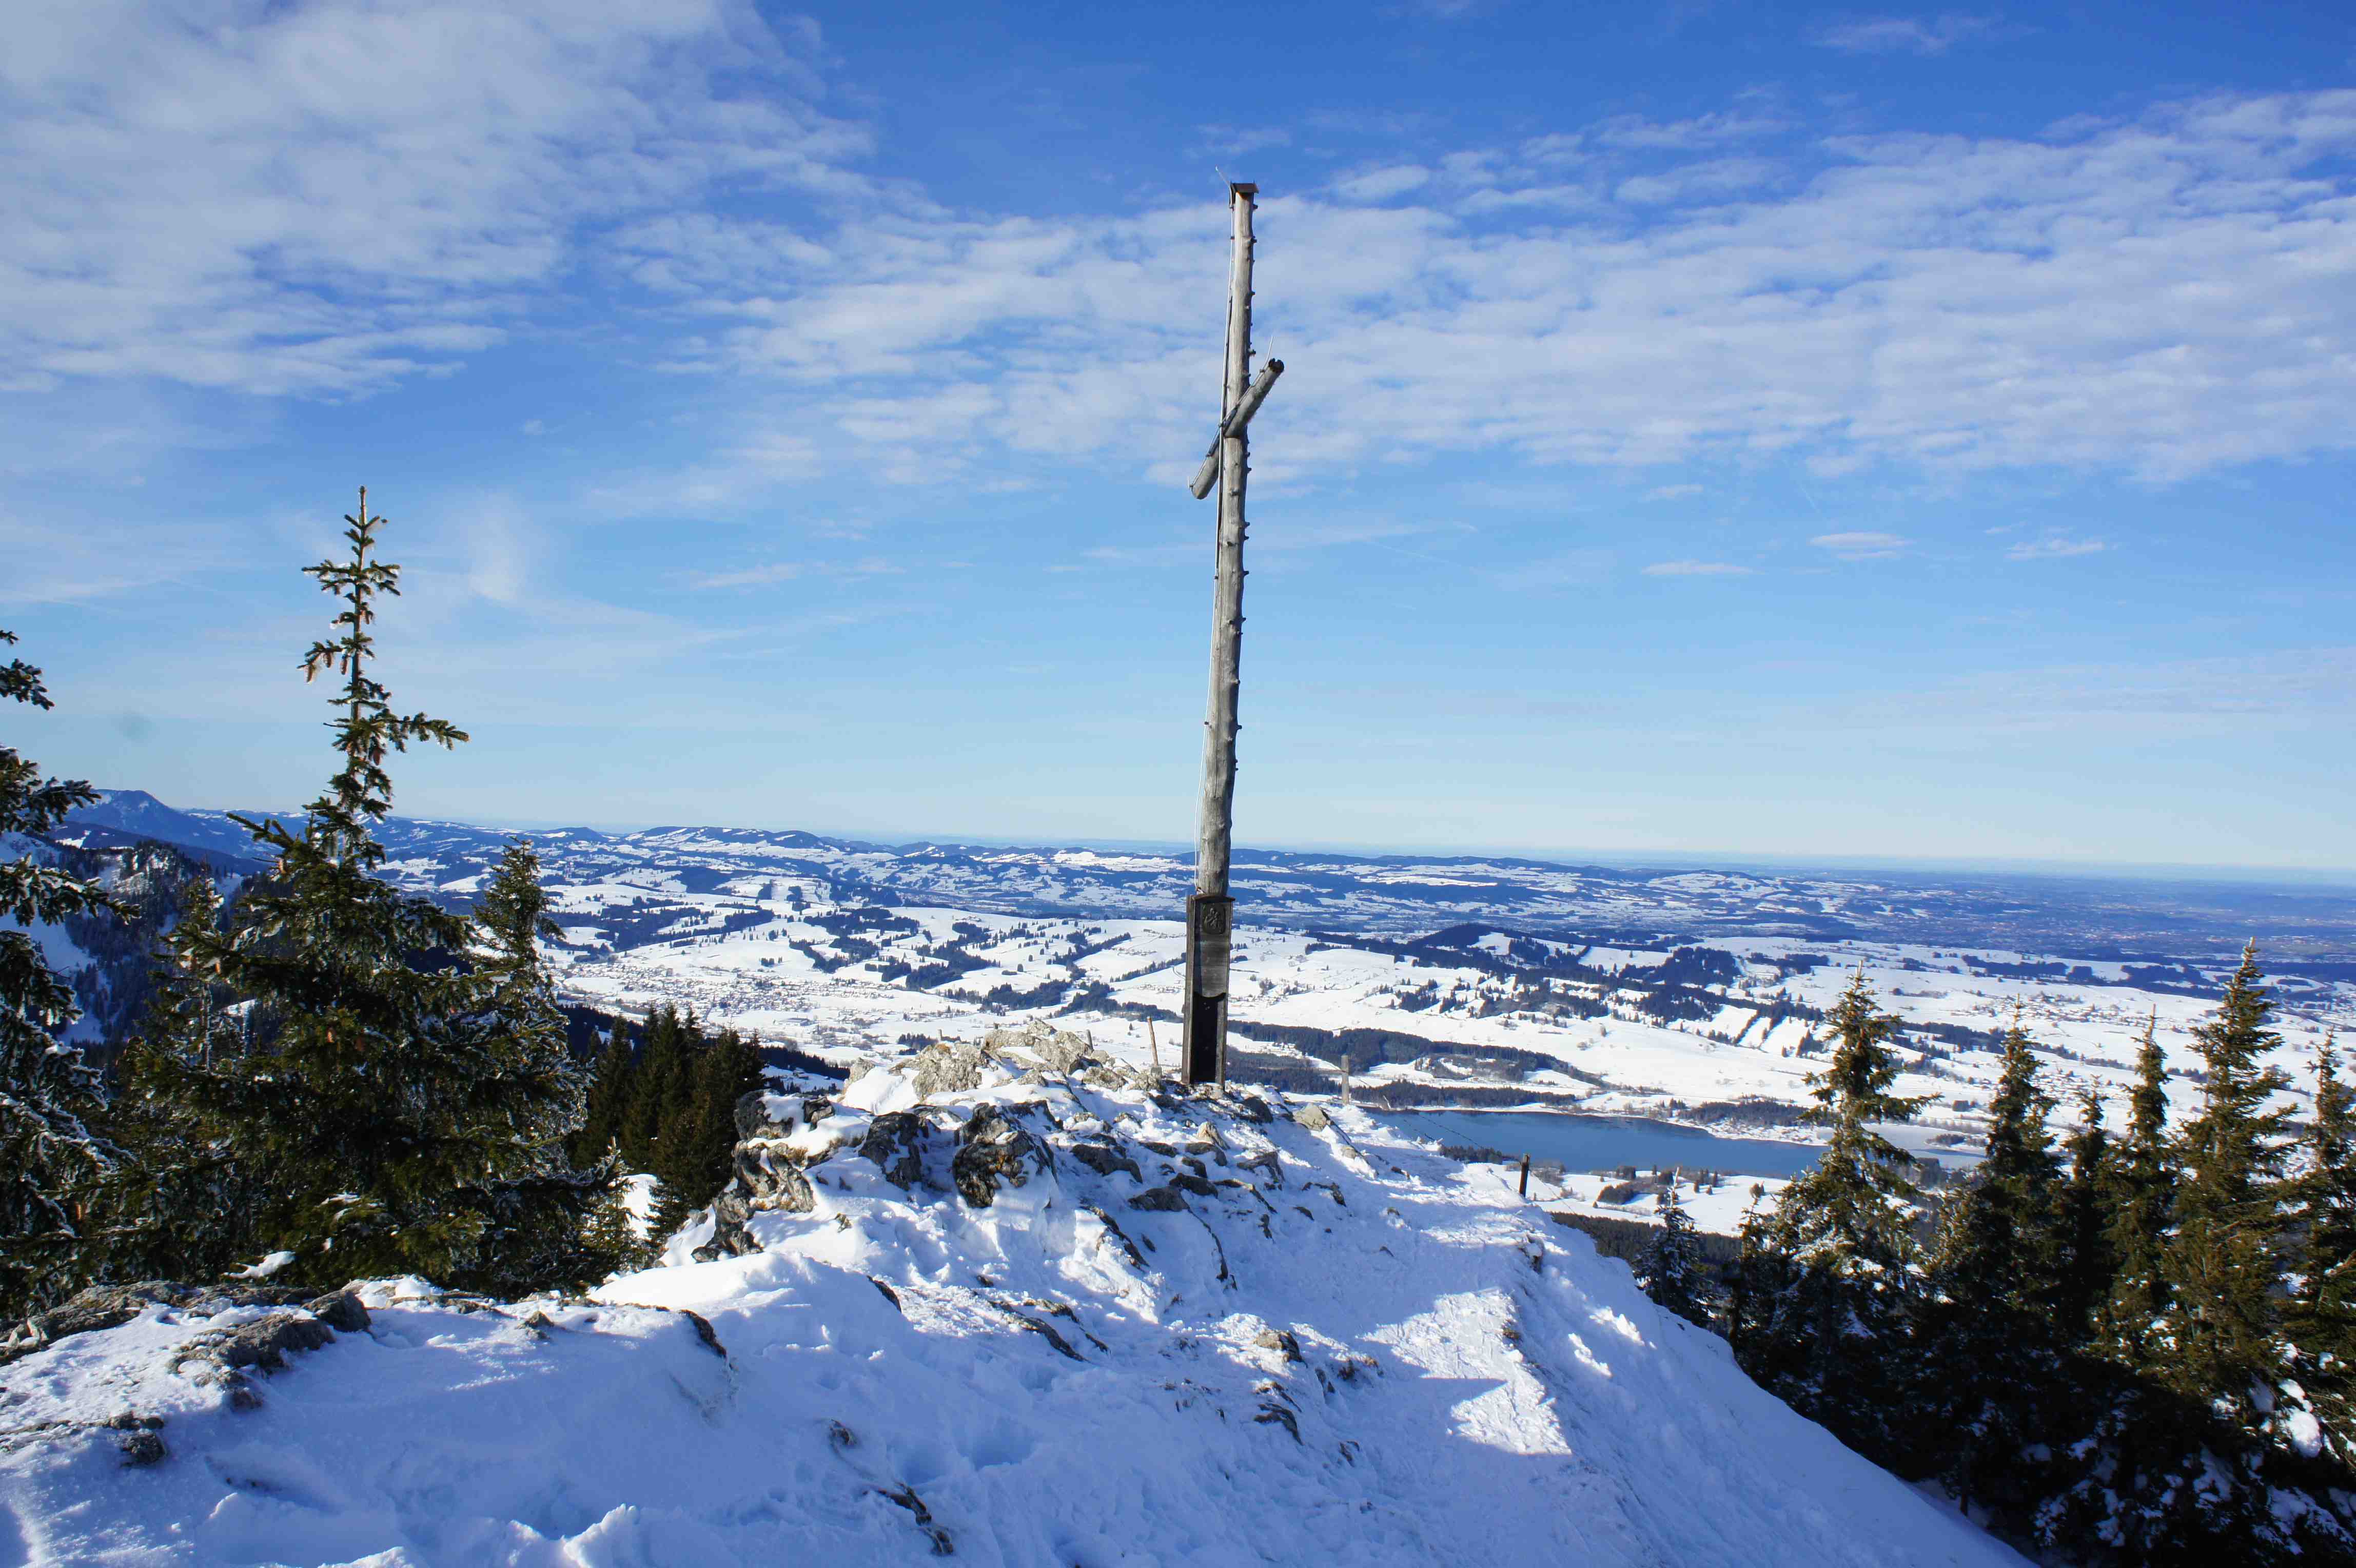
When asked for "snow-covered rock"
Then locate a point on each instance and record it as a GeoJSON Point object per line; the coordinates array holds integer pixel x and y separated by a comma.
{"type": "Point", "coordinates": [1334, 1345]}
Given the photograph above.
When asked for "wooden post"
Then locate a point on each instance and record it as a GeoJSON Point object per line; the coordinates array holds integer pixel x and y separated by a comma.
{"type": "Point", "coordinates": [1526, 1176]}
{"type": "Point", "coordinates": [1210, 913]}
{"type": "Point", "coordinates": [1346, 1080]}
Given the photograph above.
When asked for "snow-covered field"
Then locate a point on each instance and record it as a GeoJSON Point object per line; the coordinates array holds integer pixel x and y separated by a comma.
{"type": "Point", "coordinates": [1695, 996]}
{"type": "Point", "coordinates": [794, 981]}
{"type": "Point", "coordinates": [1329, 1346]}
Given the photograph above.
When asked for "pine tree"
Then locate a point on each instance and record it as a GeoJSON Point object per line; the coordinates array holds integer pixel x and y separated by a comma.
{"type": "Point", "coordinates": [1671, 1274]}
{"type": "Point", "coordinates": [2087, 1268]}
{"type": "Point", "coordinates": [678, 1108]}
{"type": "Point", "coordinates": [1994, 1277]}
{"type": "Point", "coordinates": [2187, 1450]}
{"type": "Point", "coordinates": [2321, 1312]}
{"type": "Point", "coordinates": [1827, 1297]}
{"type": "Point", "coordinates": [177, 1206]}
{"type": "Point", "coordinates": [664, 1061]}
{"type": "Point", "coordinates": [50, 1157]}
{"type": "Point", "coordinates": [608, 1098]}
{"type": "Point", "coordinates": [614, 1232]}
{"type": "Point", "coordinates": [726, 1070]}
{"type": "Point", "coordinates": [541, 1206]}
{"type": "Point", "coordinates": [398, 1096]}
{"type": "Point", "coordinates": [2220, 1261]}
{"type": "Point", "coordinates": [1999, 1247]}
{"type": "Point", "coordinates": [2142, 1208]}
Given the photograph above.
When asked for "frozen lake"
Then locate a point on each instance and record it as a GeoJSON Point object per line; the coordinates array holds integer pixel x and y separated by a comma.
{"type": "Point", "coordinates": [1601, 1142]}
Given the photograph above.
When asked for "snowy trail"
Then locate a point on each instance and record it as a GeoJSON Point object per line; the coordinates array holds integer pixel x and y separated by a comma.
{"type": "Point", "coordinates": [1059, 1377]}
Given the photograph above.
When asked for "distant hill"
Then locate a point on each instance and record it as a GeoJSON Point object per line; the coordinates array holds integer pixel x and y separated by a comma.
{"type": "Point", "coordinates": [124, 817]}
{"type": "Point", "coordinates": [2091, 917]}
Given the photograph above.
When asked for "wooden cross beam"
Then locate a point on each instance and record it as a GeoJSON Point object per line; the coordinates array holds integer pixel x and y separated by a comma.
{"type": "Point", "coordinates": [1210, 913]}
{"type": "Point", "coordinates": [1208, 474]}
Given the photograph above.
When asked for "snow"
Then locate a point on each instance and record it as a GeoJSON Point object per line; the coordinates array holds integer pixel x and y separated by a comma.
{"type": "Point", "coordinates": [268, 1266]}
{"type": "Point", "coordinates": [1475, 1387]}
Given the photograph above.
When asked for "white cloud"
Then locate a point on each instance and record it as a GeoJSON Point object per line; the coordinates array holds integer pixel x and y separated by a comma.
{"type": "Point", "coordinates": [1905, 34]}
{"type": "Point", "coordinates": [1927, 301]}
{"type": "Point", "coordinates": [1720, 176]}
{"type": "Point", "coordinates": [1235, 140]}
{"type": "Point", "coordinates": [1696, 569]}
{"type": "Point", "coordinates": [749, 577]}
{"type": "Point", "coordinates": [2163, 295]}
{"type": "Point", "coordinates": [1671, 492]}
{"type": "Point", "coordinates": [1382, 184]}
{"type": "Point", "coordinates": [325, 198]}
{"type": "Point", "coordinates": [772, 571]}
{"type": "Point", "coordinates": [1686, 136]}
{"type": "Point", "coordinates": [2291, 687]}
{"type": "Point", "coordinates": [1860, 546]}
{"type": "Point", "coordinates": [2054, 547]}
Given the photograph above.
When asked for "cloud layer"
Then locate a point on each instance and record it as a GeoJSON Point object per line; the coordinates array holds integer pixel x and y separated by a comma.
{"type": "Point", "coordinates": [326, 200]}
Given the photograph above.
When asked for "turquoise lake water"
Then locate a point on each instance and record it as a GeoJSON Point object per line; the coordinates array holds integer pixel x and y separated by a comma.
{"type": "Point", "coordinates": [1601, 1143]}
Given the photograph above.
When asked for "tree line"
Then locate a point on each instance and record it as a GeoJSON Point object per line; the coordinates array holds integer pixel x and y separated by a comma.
{"type": "Point", "coordinates": [665, 1106]}
{"type": "Point", "coordinates": [2130, 1350]}
{"type": "Point", "coordinates": [334, 1079]}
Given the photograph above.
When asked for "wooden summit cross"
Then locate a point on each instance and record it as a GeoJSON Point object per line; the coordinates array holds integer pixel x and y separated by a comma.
{"type": "Point", "coordinates": [1210, 913]}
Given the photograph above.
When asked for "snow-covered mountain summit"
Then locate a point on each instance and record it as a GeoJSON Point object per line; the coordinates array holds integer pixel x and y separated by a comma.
{"type": "Point", "coordinates": [1019, 1307]}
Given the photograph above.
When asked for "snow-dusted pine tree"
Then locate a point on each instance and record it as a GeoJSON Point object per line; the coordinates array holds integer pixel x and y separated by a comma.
{"type": "Point", "coordinates": [608, 1096]}
{"type": "Point", "coordinates": [177, 1206]}
{"type": "Point", "coordinates": [2086, 1268]}
{"type": "Point", "coordinates": [397, 1101]}
{"type": "Point", "coordinates": [49, 1156]}
{"type": "Point", "coordinates": [2142, 1206]}
{"type": "Point", "coordinates": [2320, 1315]}
{"type": "Point", "coordinates": [1826, 1299]}
{"type": "Point", "coordinates": [541, 1209]}
{"type": "Point", "coordinates": [2221, 1259]}
{"type": "Point", "coordinates": [1672, 1273]}
{"type": "Point", "coordinates": [1989, 1325]}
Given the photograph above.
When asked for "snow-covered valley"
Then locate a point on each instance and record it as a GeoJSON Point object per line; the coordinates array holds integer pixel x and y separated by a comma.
{"type": "Point", "coordinates": [1695, 998]}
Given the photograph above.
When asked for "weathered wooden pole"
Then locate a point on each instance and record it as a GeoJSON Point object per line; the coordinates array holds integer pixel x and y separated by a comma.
{"type": "Point", "coordinates": [1210, 913]}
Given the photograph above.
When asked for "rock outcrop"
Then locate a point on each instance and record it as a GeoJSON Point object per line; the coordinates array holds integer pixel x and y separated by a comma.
{"type": "Point", "coordinates": [110, 1306]}
{"type": "Point", "coordinates": [995, 1152]}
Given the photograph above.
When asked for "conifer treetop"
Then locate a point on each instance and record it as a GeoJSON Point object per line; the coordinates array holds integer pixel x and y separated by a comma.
{"type": "Point", "coordinates": [2234, 1044]}
{"type": "Point", "coordinates": [1854, 1087]}
{"type": "Point", "coordinates": [2335, 1106]}
{"type": "Point", "coordinates": [2147, 1103]}
{"type": "Point", "coordinates": [367, 730]}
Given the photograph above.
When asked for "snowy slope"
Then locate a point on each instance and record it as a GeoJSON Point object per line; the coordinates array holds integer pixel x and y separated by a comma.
{"type": "Point", "coordinates": [1059, 1376]}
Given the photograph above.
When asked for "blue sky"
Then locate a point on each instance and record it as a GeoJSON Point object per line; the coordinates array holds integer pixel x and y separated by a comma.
{"type": "Point", "coordinates": [1707, 428]}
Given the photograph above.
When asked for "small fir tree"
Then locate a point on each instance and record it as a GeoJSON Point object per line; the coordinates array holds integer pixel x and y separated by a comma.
{"type": "Point", "coordinates": [177, 1205]}
{"type": "Point", "coordinates": [2087, 1268]}
{"type": "Point", "coordinates": [1829, 1296]}
{"type": "Point", "coordinates": [1672, 1273]}
{"type": "Point", "coordinates": [50, 1155]}
{"type": "Point", "coordinates": [541, 1207]}
{"type": "Point", "coordinates": [1999, 1247]}
{"type": "Point", "coordinates": [2320, 1314]}
{"type": "Point", "coordinates": [608, 1097]}
{"type": "Point", "coordinates": [398, 1096]}
{"type": "Point", "coordinates": [702, 1143]}
{"type": "Point", "coordinates": [2220, 1261]}
{"type": "Point", "coordinates": [2142, 1208]}
{"type": "Point", "coordinates": [663, 1062]}
{"type": "Point", "coordinates": [1993, 1279]}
